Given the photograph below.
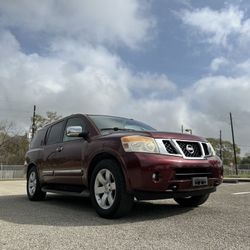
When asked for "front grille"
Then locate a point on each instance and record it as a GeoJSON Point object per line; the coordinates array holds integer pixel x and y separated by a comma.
{"type": "Point", "coordinates": [190, 149]}
{"type": "Point", "coordinates": [169, 147]}
{"type": "Point", "coordinates": [189, 173]}
{"type": "Point", "coordinates": [205, 148]}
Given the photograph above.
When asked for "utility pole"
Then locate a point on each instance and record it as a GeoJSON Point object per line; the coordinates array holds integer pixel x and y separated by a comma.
{"type": "Point", "coordinates": [33, 122]}
{"type": "Point", "coordinates": [1, 170]}
{"type": "Point", "coordinates": [182, 129]}
{"type": "Point", "coordinates": [220, 145]}
{"type": "Point", "coordinates": [235, 158]}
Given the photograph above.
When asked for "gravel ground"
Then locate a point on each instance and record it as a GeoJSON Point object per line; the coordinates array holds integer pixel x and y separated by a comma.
{"type": "Point", "coordinates": [60, 222]}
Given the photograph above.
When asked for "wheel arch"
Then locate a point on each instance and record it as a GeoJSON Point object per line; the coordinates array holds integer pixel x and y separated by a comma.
{"type": "Point", "coordinates": [29, 167]}
{"type": "Point", "coordinates": [104, 156]}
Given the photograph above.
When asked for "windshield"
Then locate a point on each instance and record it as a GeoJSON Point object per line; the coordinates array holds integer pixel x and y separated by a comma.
{"type": "Point", "coordinates": [119, 123]}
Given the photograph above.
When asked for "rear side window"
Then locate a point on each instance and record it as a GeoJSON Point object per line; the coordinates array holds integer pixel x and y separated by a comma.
{"type": "Point", "coordinates": [55, 134]}
{"type": "Point", "coordinates": [38, 139]}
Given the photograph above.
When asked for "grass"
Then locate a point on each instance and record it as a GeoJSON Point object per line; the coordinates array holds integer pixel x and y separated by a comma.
{"type": "Point", "coordinates": [237, 176]}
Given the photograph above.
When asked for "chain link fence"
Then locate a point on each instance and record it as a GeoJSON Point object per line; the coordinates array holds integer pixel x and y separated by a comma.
{"type": "Point", "coordinates": [243, 169]}
{"type": "Point", "coordinates": [11, 172]}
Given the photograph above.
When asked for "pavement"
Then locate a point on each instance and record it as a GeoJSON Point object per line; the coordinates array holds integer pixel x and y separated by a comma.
{"type": "Point", "coordinates": [61, 222]}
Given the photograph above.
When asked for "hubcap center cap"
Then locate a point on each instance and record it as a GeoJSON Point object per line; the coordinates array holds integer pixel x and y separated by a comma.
{"type": "Point", "coordinates": [107, 188]}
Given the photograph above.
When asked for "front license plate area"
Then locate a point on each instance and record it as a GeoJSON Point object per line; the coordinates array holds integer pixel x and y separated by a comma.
{"type": "Point", "coordinates": [199, 181]}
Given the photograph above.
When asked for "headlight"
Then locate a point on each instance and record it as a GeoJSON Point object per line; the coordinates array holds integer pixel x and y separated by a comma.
{"type": "Point", "coordinates": [211, 149]}
{"type": "Point", "coordinates": [139, 144]}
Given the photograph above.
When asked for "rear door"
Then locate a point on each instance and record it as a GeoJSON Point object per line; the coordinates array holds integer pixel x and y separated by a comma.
{"type": "Point", "coordinates": [52, 151]}
{"type": "Point", "coordinates": [70, 170]}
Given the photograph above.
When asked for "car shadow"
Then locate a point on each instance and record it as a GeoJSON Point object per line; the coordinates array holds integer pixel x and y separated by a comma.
{"type": "Point", "coordinates": [60, 210]}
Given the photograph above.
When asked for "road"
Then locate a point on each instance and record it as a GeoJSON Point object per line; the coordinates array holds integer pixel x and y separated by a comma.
{"type": "Point", "coordinates": [60, 222]}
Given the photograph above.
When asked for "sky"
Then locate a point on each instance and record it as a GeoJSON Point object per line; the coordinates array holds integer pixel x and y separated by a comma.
{"type": "Point", "coordinates": [165, 62]}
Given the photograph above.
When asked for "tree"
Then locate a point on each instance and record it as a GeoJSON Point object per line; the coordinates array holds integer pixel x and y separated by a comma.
{"type": "Point", "coordinates": [41, 121]}
{"type": "Point", "coordinates": [227, 150]}
{"type": "Point", "coordinates": [246, 159]}
{"type": "Point", "coordinates": [13, 146]}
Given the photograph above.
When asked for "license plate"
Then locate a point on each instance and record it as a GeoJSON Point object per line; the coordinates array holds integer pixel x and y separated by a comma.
{"type": "Point", "coordinates": [199, 181]}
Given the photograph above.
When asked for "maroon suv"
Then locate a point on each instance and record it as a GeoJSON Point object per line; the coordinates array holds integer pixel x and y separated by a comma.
{"type": "Point", "coordinates": [116, 160]}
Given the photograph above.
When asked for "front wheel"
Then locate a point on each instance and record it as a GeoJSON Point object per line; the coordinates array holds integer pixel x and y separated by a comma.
{"type": "Point", "coordinates": [108, 190]}
{"type": "Point", "coordinates": [33, 187]}
{"type": "Point", "coordinates": [192, 201]}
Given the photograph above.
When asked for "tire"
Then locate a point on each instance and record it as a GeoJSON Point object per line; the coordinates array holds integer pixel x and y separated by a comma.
{"type": "Point", "coordinates": [33, 186]}
{"type": "Point", "coordinates": [193, 201]}
{"type": "Point", "coordinates": [108, 190]}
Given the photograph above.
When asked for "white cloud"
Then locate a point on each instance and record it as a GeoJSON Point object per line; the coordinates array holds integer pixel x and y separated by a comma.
{"type": "Point", "coordinates": [93, 80]}
{"type": "Point", "coordinates": [111, 21]}
{"type": "Point", "coordinates": [243, 67]}
{"type": "Point", "coordinates": [216, 25]}
{"type": "Point", "coordinates": [78, 78]}
{"type": "Point", "coordinates": [217, 63]}
{"type": "Point", "coordinates": [146, 85]}
{"type": "Point", "coordinates": [220, 94]}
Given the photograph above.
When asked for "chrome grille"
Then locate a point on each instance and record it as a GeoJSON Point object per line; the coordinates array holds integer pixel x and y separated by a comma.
{"type": "Point", "coordinates": [190, 149]}
{"type": "Point", "coordinates": [186, 149]}
{"type": "Point", "coordinates": [169, 147]}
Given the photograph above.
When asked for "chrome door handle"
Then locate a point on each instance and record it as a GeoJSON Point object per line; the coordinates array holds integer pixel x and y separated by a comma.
{"type": "Point", "coordinates": [59, 149]}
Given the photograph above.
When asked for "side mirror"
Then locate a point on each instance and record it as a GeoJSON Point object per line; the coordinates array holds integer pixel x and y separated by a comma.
{"type": "Point", "coordinates": [76, 131]}
{"type": "Point", "coordinates": [73, 131]}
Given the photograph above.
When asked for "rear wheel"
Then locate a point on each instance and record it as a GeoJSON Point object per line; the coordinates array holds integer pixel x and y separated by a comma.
{"type": "Point", "coordinates": [108, 190]}
{"type": "Point", "coordinates": [192, 201]}
{"type": "Point", "coordinates": [33, 187]}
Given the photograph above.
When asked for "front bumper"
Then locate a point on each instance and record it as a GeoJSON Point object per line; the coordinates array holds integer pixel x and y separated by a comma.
{"type": "Point", "coordinates": [141, 167]}
{"type": "Point", "coordinates": [146, 195]}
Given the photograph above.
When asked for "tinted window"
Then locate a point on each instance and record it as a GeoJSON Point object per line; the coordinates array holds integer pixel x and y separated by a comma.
{"type": "Point", "coordinates": [38, 139]}
{"type": "Point", "coordinates": [76, 121]}
{"type": "Point", "coordinates": [55, 134]}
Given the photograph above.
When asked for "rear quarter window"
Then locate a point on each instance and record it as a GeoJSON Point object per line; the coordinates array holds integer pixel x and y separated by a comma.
{"type": "Point", "coordinates": [55, 133]}
{"type": "Point", "coordinates": [38, 139]}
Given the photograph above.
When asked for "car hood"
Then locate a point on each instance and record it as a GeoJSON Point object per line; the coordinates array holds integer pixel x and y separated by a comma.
{"type": "Point", "coordinates": [157, 135]}
{"type": "Point", "coordinates": [178, 136]}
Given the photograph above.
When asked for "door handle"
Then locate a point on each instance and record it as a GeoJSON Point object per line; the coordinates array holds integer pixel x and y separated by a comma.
{"type": "Point", "coordinates": [59, 149]}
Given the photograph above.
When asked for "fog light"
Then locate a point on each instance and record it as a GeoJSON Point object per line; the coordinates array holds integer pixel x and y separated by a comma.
{"type": "Point", "coordinates": [156, 177]}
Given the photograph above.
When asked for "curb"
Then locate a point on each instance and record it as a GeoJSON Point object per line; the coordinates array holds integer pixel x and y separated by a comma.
{"type": "Point", "coordinates": [15, 179]}
{"type": "Point", "coordinates": [230, 180]}
{"type": "Point", "coordinates": [244, 179]}
{"type": "Point", "coordinates": [235, 180]}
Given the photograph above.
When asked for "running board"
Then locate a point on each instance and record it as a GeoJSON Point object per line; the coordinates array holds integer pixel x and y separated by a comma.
{"type": "Point", "coordinates": [84, 193]}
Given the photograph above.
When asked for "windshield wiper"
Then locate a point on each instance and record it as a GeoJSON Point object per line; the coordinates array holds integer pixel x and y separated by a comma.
{"type": "Point", "coordinates": [117, 129]}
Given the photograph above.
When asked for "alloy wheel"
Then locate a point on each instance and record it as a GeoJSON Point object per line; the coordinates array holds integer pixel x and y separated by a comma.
{"type": "Point", "coordinates": [32, 183]}
{"type": "Point", "coordinates": [105, 188]}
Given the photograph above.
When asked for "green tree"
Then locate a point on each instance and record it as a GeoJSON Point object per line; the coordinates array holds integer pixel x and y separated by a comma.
{"type": "Point", "coordinates": [227, 150]}
{"type": "Point", "coordinates": [41, 121]}
{"type": "Point", "coordinates": [13, 146]}
{"type": "Point", "coordinates": [246, 159]}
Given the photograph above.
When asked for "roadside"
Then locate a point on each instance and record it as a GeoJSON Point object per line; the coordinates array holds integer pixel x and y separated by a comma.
{"type": "Point", "coordinates": [235, 179]}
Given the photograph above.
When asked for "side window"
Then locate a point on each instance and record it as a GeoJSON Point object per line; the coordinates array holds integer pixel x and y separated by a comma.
{"type": "Point", "coordinates": [76, 121]}
{"type": "Point", "coordinates": [38, 139]}
{"type": "Point", "coordinates": [55, 134]}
